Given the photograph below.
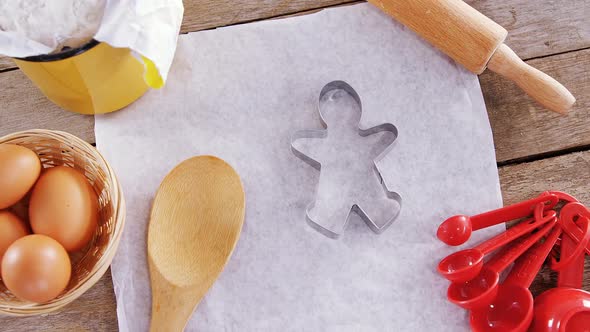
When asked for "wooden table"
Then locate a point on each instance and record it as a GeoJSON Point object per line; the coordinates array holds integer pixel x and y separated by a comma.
{"type": "Point", "coordinates": [536, 150]}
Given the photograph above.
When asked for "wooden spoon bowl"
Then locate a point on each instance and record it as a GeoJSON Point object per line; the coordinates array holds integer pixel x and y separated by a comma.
{"type": "Point", "coordinates": [196, 220]}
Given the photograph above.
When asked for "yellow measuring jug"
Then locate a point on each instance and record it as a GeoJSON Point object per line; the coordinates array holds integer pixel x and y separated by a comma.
{"type": "Point", "coordinates": [93, 79]}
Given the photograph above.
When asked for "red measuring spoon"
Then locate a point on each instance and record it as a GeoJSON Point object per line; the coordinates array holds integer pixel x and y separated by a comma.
{"type": "Point", "coordinates": [466, 264]}
{"type": "Point", "coordinates": [562, 309]}
{"type": "Point", "coordinates": [512, 309]}
{"type": "Point", "coordinates": [483, 289]}
{"type": "Point", "coordinates": [561, 195]}
{"type": "Point", "coordinates": [575, 233]}
{"type": "Point", "coordinates": [565, 308]}
{"type": "Point", "coordinates": [457, 229]}
{"type": "Point", "coordinates": [577, 250]}
{"type": "Point", "coordinates": [571, 265]}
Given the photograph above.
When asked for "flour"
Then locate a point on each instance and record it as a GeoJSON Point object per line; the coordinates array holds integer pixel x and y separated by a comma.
{"type": "Point", "coordinates": [55, 24]}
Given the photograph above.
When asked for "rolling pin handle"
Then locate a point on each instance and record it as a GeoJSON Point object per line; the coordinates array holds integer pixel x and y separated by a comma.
{"type": "Point", "coordinates": [540, 86]}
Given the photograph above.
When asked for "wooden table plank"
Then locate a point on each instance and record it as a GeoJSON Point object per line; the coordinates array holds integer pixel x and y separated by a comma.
{"type": "Point", "coordinates": [209, 14]}
{"type": "Point", "coordinates": [569, 173]}
{"type": "Point", "coordinates": [96, 311]}
{"type": "Point", "coordinates": [521, 127]}
{"type": "Point", "coordinates": [535, 29]}
{"type": "Point", "coordinates": [539, 28]}
{"type": "Point", "coordinates": [23, 106]}
{"type": "Point", "coordinates": [6, 63]}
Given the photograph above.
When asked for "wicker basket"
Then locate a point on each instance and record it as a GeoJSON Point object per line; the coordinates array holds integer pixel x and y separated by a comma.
{"type": "Point", "coordinates": [56, 148]}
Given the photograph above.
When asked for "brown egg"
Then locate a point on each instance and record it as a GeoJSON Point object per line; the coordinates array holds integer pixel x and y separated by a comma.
{"type": "Point", "coordinates": [19, 169]}
{"type": "Point", "coordinates": [36, 268]}
{"type": "Point", "coordinates": [11, 229]}
{"type": "Point", "coordinates": [64, 207]}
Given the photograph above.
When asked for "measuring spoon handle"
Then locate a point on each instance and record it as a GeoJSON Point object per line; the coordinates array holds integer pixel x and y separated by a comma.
{"type": "Point", "coordinates": [573, 274]}
{"type": "Point", "coordinates": [561, 195]}
{"type": "Point", "coordinates": [513, 233]}
{"type": "Point", "coordinates": [512, 212]}
{"type": "Point", "coordinates": [575, 240]}
{"type": "Point", "coordinates": [566, 219]}
{"type": "Point", "coordinates": [528, 265]}
{"type": "Point", "coordinates": [518, 248]}
{"type": "Point", "coordinates": [567, 258]}
{"type": "Point", "coordinates": [577, 235]}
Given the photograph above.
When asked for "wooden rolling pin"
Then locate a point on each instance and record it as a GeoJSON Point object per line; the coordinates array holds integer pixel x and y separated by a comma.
{"type": "Point", "coordinates": [475, 41]}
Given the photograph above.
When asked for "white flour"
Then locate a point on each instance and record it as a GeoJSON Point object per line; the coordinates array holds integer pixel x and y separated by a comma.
{"type": "Point", "coordinates": [52, 23]}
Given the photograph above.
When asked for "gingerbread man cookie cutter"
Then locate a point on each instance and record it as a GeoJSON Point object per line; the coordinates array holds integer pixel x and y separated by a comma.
{"type": "Point", "coordinates": [348, 183]}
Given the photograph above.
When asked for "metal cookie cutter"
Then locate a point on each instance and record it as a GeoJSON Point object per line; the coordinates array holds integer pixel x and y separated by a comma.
{"type": "Point", "coordinates": [346, 156]}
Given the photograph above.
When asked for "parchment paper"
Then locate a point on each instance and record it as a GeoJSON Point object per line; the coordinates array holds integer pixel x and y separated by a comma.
{"type": "Point", "coordinates": [239, 93]}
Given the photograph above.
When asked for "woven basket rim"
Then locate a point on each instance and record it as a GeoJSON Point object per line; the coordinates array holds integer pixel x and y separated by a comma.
{"type": "Point", "coordinates": [98, 270]}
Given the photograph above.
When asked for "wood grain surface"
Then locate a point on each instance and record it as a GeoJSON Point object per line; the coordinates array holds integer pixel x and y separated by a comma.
{"type": "Point", "coordinates": [95, 310]}
{"type": "Point", "coordinates": [521, 127]}
{"type": "Point", "coordinates": [544, 89]}
{"type": "Point", "coordinates": [6, 63]}
{"type": "Point", "coordinates": [23, 106]}
{"type": "Point", "coordinates": [535, 28]}
{"type": "Point", "coordinates": [535, 148]}
{"type": "Point", "coordinates": [569, 173]}
{"type": "Point", "coordinates": [539, 28]}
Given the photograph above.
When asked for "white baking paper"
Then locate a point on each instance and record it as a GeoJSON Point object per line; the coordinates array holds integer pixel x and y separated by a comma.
{"type": "Point", "coordinates": [239, 93]}
{"type": "Point", "coordinates": [148, 27]}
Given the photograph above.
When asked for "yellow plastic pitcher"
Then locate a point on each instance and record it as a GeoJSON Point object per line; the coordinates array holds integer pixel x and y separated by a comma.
{"type": "Point", "coordinates": [93, 79]}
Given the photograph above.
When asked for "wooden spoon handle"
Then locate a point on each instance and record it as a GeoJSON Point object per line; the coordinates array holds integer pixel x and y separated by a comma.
{"type": "Point", "coordinates": [172, 306]}
{"type": "Point", "coordinates": [168, 317]}
{"type": "Point", "coordinates": [540, 86]}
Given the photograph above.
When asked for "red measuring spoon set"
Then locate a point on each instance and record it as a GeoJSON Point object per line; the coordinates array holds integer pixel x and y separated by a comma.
{"type": "Point", "coordinates": [556, 228]}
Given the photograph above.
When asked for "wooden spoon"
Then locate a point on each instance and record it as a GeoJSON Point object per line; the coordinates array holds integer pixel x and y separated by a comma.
{"type": "Point", "coordinates": [196, 220]}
